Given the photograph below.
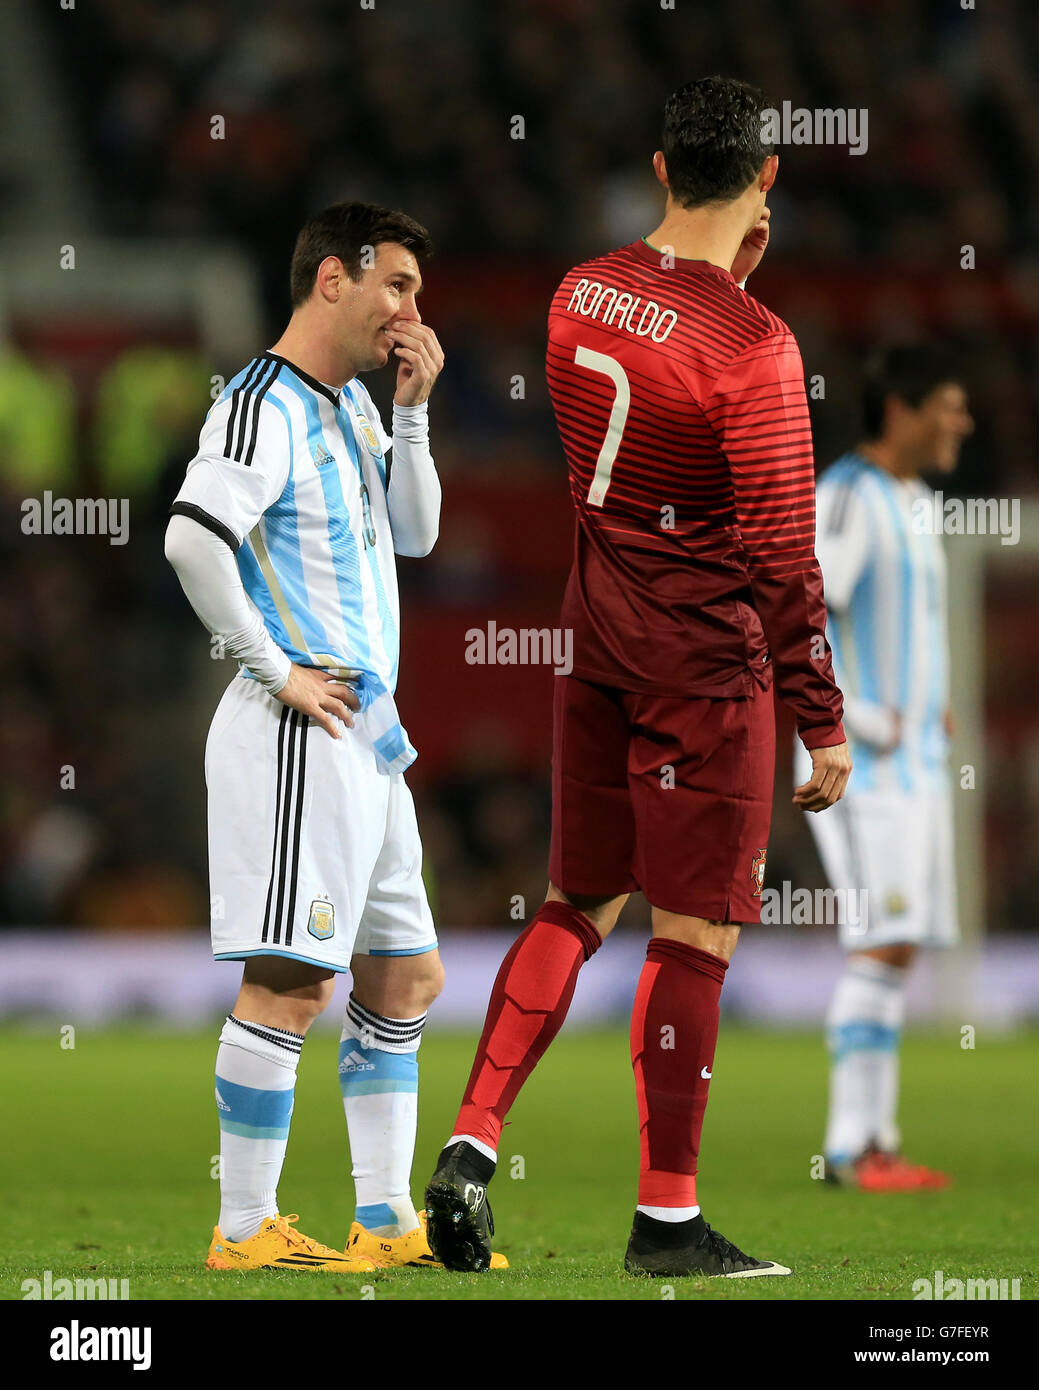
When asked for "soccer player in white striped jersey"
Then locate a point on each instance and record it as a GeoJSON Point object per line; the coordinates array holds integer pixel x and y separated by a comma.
{"type": "Point", "coordinates": [889, 842]}
{"type": "Point", "coordinates": [283, 536]}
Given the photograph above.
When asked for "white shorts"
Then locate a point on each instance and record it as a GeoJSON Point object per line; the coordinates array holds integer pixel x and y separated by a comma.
{"type": "Point", "coordinates": [313, 853]}
{"type": "Point", "coordinates": [899, 849]}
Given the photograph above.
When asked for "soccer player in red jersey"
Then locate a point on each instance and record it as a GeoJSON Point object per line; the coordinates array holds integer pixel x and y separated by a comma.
{"type": "Point", "coordinates": [681, 406]}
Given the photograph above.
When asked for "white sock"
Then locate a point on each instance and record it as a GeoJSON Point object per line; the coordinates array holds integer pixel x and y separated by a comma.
{"type": "Point", "coordinates": [669, 1213]}
{"type": "Point", "coordinates": [255, 1082]}
{"type": "Point", "coordinates": [378, 1076]}
{"type": "Point", "coordinates": [864, 1026]}
{"type": "Point", "coordinates": [477, 1144]}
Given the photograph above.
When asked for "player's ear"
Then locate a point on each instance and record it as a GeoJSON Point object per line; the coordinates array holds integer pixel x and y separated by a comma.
{"type": "Point", "coordinates": [896, 414]}
{"type": "Point", "coordinates": [769, 170]}
{"type": "Point", "coordinates": [331, 278]}
{"type": "Point", "coordinates": [660, 169]}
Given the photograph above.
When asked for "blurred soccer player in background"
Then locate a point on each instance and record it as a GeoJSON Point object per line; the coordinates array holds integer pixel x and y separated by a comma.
{"type": "Point", "coordinates": [283, 536]}
{"type": "Point", "coordinates": [681, 405]}
{"type": "Point", "coordinates": [891, 838]}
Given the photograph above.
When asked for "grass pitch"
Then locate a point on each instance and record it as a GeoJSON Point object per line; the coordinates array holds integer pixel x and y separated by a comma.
{"type": "Point", "coordinates": [110, 1147]}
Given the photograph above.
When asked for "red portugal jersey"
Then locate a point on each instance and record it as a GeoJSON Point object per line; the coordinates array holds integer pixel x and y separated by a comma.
{"type": "Point", "coordinates": [681, 405]}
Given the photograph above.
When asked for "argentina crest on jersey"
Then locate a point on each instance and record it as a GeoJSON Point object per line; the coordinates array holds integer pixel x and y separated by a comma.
{"type": "Point", "coordinates": [369, 436]}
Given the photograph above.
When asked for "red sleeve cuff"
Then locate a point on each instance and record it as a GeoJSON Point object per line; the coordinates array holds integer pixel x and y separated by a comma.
{"type": "Point", "coordinates": [823, 738]}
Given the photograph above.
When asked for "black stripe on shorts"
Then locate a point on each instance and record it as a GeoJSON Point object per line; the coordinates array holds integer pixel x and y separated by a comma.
{"type": "Point", "coordinates": [282, 727]}
{"type": "Point", "coordinates": [292, 767]}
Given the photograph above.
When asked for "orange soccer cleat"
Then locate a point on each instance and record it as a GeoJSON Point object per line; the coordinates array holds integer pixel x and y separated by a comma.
{"type": "Point", "coordinates": [277, 1246]}
{"type": "Point", "coordinates": [875, 1171]}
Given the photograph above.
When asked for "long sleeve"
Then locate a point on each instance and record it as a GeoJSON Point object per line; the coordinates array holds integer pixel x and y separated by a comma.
{"type": "Point", "coordinates": [413, 490]}
{"type": "Point", "coordinates": [208, 574]}
{"type": "Point", "coordinates": [760, 414]}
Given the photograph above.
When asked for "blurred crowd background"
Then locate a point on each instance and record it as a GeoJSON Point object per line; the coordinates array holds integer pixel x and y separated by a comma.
{"type": "Point", "coordinates": [106, 672]}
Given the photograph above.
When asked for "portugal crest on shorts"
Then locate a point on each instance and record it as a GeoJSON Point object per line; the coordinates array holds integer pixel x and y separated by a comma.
{"type": "Point", "coordinates": [322, 919]}
{"type": "Point", "coordinates": [757, 873]}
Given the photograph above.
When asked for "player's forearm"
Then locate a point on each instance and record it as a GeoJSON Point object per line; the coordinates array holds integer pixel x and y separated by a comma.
{"type": "Point", "coordinates": [413, 496]}
{"type": "Point", "coordinates": [794, 619]}
{"type": "Point", "coordinates": [209, 577]}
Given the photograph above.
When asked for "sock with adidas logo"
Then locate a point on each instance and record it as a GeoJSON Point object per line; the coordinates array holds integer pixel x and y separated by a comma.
{"type": "Point", "coordinates": [255, 1085]}
{"type": "Point", "coordinates": [378, 1077]}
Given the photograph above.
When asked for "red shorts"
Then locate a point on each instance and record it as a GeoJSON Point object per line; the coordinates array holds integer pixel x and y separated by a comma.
{"type": "Point", "coordinates": [669, 795]}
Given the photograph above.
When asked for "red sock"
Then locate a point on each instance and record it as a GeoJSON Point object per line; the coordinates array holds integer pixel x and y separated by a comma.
{"type": "Point", "coordinates": [674, 1029]}
{"type": "Point", "coordinates": [528, 1004]}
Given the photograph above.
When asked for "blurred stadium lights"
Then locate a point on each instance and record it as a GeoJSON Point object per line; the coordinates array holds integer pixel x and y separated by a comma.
{"type": "Point", "coordinates": [142, 289]}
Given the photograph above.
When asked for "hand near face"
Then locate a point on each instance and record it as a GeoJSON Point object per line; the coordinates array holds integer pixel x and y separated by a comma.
{"type": "Point", "coordinates": [748, 257]}
{"type": "Point", "coordinates": [420, 360]}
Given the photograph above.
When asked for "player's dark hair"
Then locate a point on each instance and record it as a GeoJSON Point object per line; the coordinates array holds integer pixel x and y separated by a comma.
{"type": "Point", "coordinates": [910, 371]}
{"type": "Point", "coordinates": [712, 140]}
{"type": "Point", "coordinates": [346, 230]}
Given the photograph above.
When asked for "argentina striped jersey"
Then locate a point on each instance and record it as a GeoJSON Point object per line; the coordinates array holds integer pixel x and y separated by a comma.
{"type": "Point", "coordinates": [293, 474]}
{"type": "Point", "coordinates": [885, 587]}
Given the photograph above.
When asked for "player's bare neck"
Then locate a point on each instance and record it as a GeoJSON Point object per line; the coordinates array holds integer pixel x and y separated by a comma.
{"type": "Point", "coordinates": [887, 457]}
{"type": "Point", "coordinates": [700, 234]}
{"type": "Point", "coordinates": [320, 360]}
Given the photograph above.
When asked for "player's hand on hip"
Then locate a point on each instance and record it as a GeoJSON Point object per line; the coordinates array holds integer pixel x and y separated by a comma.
{"type": "Point", "coordinates": [421, 359]}
{"type": "Point", "coordinates": [321, 696]}
{"type": "Point", "coordinates": [831, 768]}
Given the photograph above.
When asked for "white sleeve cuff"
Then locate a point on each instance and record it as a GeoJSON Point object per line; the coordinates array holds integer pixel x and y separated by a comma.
{"type": "Point", "coordinates": [411, 422]}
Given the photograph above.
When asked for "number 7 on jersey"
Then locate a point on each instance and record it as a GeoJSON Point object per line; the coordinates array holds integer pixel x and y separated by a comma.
{"type": "Point", "coordinates": [607, 366]}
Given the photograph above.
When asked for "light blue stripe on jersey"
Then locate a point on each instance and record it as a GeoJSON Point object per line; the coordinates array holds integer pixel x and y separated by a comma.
{"type": "Point", "coordinates": [863, 609]}
{"type": "Point", "coordinates": [934, 744]}
{"type": "Point", "coordinates": [391, 745]}
{"type": "Point", "coordinates": [253, 581]}
{"type": "Point", "coordinates": [256, 587]}
{"type": "Point", "coordinates": [390, 638]}
{"type": "Point", "coordinates": [281, 535]}
{"type": "Point", "coordinates": [378, 459]}
{"type": "Point", "coordinates": [908, 672]}
{"type": "Point", "coordinates": [344, 552]}
{"type": "Point", "coordinates": [352, 643]}
{"type": "Point", "coordinates": [835, 635]}
{"type": "Point", "coordinates": [862, 615]}
{"type": "Point", "coordinates": [905, 655]}
{"type": "Point", "coordinates": [281, 538]}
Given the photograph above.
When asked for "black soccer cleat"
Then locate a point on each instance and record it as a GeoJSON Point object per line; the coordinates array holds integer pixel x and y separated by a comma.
{"type": "Point", "coordinates": [459, 1223]}
{"type": "Point", "coordinates": [673, 1249]}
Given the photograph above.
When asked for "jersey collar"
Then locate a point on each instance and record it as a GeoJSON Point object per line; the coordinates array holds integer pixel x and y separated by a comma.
{"type": "Point", "coordinates": [329, 392]}
{"type": "Point", "coordinates": [652, 254]}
